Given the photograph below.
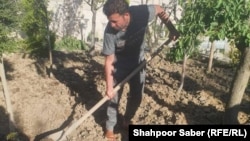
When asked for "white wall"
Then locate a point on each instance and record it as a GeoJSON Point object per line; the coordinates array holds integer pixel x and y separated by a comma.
{"type": "Point", "coordinates": [74, 18]}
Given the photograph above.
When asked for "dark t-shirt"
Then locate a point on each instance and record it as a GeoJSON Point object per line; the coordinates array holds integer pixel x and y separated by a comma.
{"type": "Point", "coordinates": [129, 45]}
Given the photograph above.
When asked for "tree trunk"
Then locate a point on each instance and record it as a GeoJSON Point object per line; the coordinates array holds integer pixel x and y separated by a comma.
{"type": "Point", "coordinates": [49, 68]}
{"type": "Point", "coordinates": [93, 29]}
{"type": "Point", "coordinates": [183, 74]}
{"type": "Point", "coordinates": [7, 97]}
{"type": "Point", "coordinates": [237, 90]}
{"type": "Point", "coordinates": [211, 56]}
{"type": "Point", "coordinates": [93, 49]}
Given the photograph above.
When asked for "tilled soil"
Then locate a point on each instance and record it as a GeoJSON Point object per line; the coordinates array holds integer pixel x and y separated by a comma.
{"type": "Point", "coordinates": [43, 105]}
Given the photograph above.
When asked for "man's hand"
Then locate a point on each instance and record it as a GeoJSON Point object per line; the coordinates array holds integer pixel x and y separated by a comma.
{"type": "Point", "coordinates": [174, 34]}
{"type": "Point", "coordinates": [109, 93]}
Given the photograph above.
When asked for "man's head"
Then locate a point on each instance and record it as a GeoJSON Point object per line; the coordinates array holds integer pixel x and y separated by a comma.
{"type": "Point", "coordinates": [117, 12]}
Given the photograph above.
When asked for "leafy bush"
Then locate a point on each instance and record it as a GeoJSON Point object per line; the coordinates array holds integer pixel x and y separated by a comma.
{"type": "Point", "coordinates": [234, 55]}
{"type": "Point", "coordinates": [70, 44]}
{"type": "Point", "coordinates": [13, 136]}
{"type": "Point", "coordinates": [34, 22]}
{"type": "Point", "coordinates": [38, 45]}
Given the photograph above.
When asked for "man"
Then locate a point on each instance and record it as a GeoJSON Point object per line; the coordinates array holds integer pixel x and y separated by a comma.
{"type": "Point", "coordinates": [123, 48]}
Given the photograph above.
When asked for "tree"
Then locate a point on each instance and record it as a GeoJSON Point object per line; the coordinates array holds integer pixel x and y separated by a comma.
{"type": "Point", "coordinates": [8, 22]}
{"type": "Point", "coordinates": [35, 23]}
{"type": "Point", "coordinates": [224, 18]}
{"type": "Point", "coordinates": [215, 28]}
{"type": "Point", "coordinates": [238, 23]}
{"type": "Point", "coordinates": [94, 5]}
{"type": "Point", "coordinates": [190, 27]}
{"type": "Point", "coordinates": [44, 8]}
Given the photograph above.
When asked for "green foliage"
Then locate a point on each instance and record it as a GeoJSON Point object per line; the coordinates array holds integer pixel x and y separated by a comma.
{"type": "Point", "coordinates": [35, 24]}
{"type": "Point", "coordinates": [70, 44]}
{"type": "Point", "coordinates": [234, 55]}
{"type": "Point", "coordinates": [128, 1]}
{"type": "Point", "coordinates": [177, 53]}
{"type": "Point", "coordinates": [8, 24]}
{"type": "Point", "coordinates": [11, 46]}
{"type": "Point", "coordinates": [236, 21]}
{"type": "Point", "coordinates": [190, 26]}
{"type": "Point", "coordinates": [8, 14]}
{"type": "Point", "coordinates": [217, 19]}
{"type": "Point", "coordinates": [38, 45]}
{"type": "Point", "coordinates": [13, 136]}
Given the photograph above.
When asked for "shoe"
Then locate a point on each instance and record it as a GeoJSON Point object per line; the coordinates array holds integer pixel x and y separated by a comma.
{"type": "Point", "coordinates": [110, 136]}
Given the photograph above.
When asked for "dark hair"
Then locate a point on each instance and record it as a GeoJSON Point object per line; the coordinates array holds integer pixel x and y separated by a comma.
{"type": "Point", "coordinates": [115, 6]}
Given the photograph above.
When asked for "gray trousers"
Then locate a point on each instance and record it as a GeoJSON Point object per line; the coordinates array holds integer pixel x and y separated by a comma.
{"type": "Point", "coordinates": [136, 89]}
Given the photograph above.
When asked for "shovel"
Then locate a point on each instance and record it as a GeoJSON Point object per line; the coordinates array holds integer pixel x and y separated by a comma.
{"type": "Point", "coordinates": [62, 134]}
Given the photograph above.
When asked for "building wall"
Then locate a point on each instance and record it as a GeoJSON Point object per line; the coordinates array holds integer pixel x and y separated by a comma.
{"type": "Point", "coordinates": [73, 18]}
